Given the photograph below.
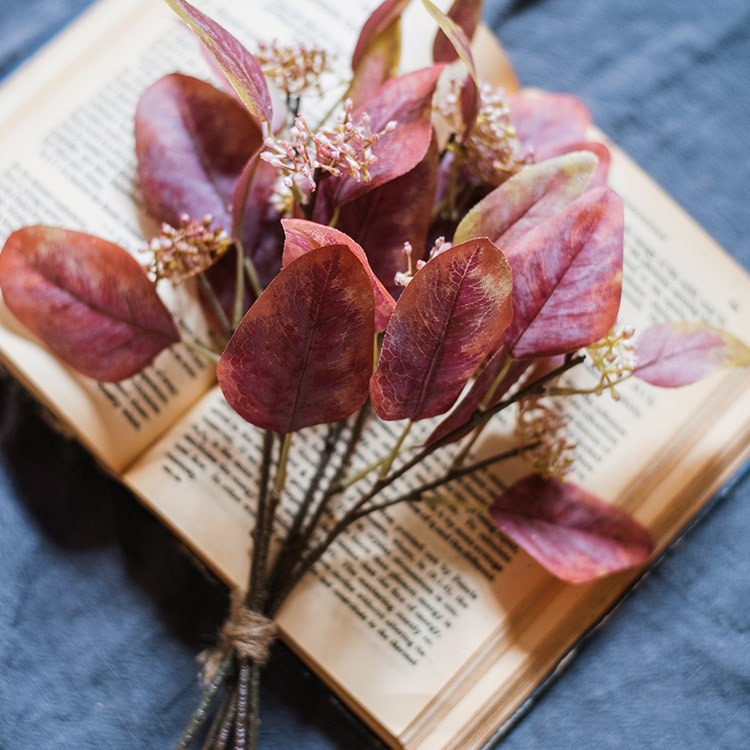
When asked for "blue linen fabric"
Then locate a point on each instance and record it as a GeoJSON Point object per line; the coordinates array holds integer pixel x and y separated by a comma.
{"type": "Point", "coordinates": [102, 613]}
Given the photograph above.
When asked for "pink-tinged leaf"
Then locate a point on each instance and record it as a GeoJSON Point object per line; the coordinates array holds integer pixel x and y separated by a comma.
{"type": "Point", "coordinates": [602, 153]}
{"type": "Point", "coordinates": [528, 198]}
{"type": "Point", "coordinates": [392, 214]}
{"type": "Point", "coordinates": [458, 39]}
{"type": "Point", "coordinates": [379, 22]}
{"type": "Point", "coordinates": [573, 534]}
{"type": "Point", "coordinates": [302, 236]}
{"type": "Point", "coordinates": [465, 14]}
{"type": "Point", "coordinates": [240, 67]}
{"type": "Point", "coordinates": [87, 299]}
{"type": "Point", "coordinates": [448, 319]}
{"type": "Point", "coordinates": [567, 278]}
{"type": "Point", "coordinates": [676, 354]}
{"type": "Point", "coordinates": [377, 55]}
{"type": "Point", "coordinates": [192, 143]}
{"type": "Point", "coordinates": [547, 121]}
{"type": "Point", "coordinates": [302, 355]}
{"type": "Point", "coordinates": [459, 422]}
{"type": "Point", "coordinates": [256, 220]}
{"type": "Point", "coordinates": [407, 101]}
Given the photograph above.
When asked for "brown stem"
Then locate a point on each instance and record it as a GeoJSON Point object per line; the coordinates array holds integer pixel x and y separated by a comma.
{"type": "Point", "coordinates": [244, 709]}
{"type": "Point", "coordinates": [286, 581]}
{"type": "Point", "coordinates": [360, 508]}
{"type": "Point", "coordinates": [201, 713]}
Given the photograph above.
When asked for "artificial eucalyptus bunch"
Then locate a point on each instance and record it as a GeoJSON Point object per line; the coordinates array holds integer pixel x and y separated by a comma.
{"type": "Point", "coordinates": [435, 252]}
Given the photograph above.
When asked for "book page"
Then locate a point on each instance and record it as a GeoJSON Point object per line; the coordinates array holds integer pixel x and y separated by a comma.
{"type": "Point", "coordinates": [68, 159]}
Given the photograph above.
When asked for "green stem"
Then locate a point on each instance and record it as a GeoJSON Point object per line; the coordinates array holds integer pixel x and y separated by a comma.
{"type": "Point", "coordinates": [210, 296]}
{"type": "Point", "coordinates": [486, 400]}
{"type": "Point", "coordinates": [385, 467]}
{"type": "Point", "coordinates": [293, 544]}
{"type": "Point", "coordinates": [358, 509]}
{"type": "Point", "coordinates": [202, 350]}
{"type": "Point", "coordinates": [288, 578]}
{"type": "Point", "coordinates": [218, 735]}
{"type": "Point", "coordinates": [361, 509]}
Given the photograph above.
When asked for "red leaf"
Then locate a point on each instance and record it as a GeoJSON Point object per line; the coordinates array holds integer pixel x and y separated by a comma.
{"type": "Point", "coordinates": [87, 299]}
{"type": "Point", "coordinates": [377, 54]}
{"type": "Point", "coordinates": [256, 220]}
{"type": "Point", "coordinates": [302, 355]}
{"type": "Point", "coordinates": [379, 22]}
{"type": "Point", "coordinates": [528, 198]}
{"type": "Point", "coordinates": [192, 143]}
{"type": "Point", "coordinates": [567, 278]}
{"type": "Point", "coordinates": [599, 149]}
{"type": "Point", "coordinates": [547, 121]}
{"type": "Point", "coordinates": [676, 354]}
{"type": "Point", "coordinates": [239, 66]}
{"type": "Point", "coordinates": [445, 323]}
{"type": "Point", "coordinates": [457, 424]}
{"type": "Point", "coordinates": [392, 214]}
{"type": "Point", "coordinates": [303, 236]}
{"type": "Point", "coordinates": [572, 533]}
{"type": "Point", "coordinates": [459, 40]}
{"type": "Point", "coordinates": [466, 15]}
{"type": "Point", "coordinates": [407, 101]}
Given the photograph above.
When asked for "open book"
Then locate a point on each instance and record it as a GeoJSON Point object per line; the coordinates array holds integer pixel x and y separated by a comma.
{"type": "Point", "coordinates": [431, 626]}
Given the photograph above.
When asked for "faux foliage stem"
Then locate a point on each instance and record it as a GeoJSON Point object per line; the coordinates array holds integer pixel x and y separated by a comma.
{"type": "Point", "coordinates": [210, 296]}
{"type": "Point", "coordinates": [486, 399]}
{"type": "Point", "coordinates": [201, 713]}
{"type": "Point", "coordinates": [314, 554]}
{"type": "Point", "coordinates": [286, 582]}
{"type": "Point", "coordinates": [292, 546]}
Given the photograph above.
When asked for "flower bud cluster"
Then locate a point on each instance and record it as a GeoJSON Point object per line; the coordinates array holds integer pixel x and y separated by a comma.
{"type": "Point", "coordinates": [541, 424]}
{"type": "Point", "coordinates": [187, 250]}
{"type": "Point", "coordinates": [402, 278]}
{"type": "Point", "coordinates": [344, 147]}
{"type": "Point", "coordinates": [491, 150]}
{"type": "Point", "coordinates": [293, 70]}
{"type": "Point", "coordinates": [613, 359]}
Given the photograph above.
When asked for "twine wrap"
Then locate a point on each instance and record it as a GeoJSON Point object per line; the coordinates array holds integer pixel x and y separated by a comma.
{"type": "Point", "coordinates": [249, 634]}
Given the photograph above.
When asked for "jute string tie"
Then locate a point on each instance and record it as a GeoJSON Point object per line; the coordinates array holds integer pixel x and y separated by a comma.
{"type": "Point", "coordinates": [248, 633]}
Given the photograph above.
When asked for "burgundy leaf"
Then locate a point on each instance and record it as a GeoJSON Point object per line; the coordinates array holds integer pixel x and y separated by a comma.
{"type": "Point", "coordinates": [240, 67]}
{"type": "Point", "coordinates": [192, 143]}
{"type": "Point", "coordinates": [392, 214]}
{"type": "Point", "coordinates": [466, 15]}
{"type": "Point", "coordinates": [572, 533]}
{"type": "Point", "coordinates": [256, 224]}
{"type": "Point", "coordinates": [378, 52]}
{"type": "Point", "coordinates": [303, 236]}
{"type": "Point", "coordinates": [676, 354]}
{"type": "Point", "coordinates": [448, 319]}
{"type": "Point", "coordinates": [546, 121]}
{"type": "Point", "coordinates": [302, 355]}
{"type": "Point", "coordinates": [458, 422]}
{"type": "Point", "coordinates": [567, 278]}
{"type": "Point", "coordinates": [407, 101]}
{"type": "Point", "coordinates": [528, 198]}
{"type": "Point", "coordinates": [380, 20]}
{"type": "Point", "coordinates": [457, 38]}
{"type": "Point", "coordinates": [256, 220]}
{"type": "Point", "coordinates": [599, 149]}
{"type": "Point", "coordinates": [87, 299]}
